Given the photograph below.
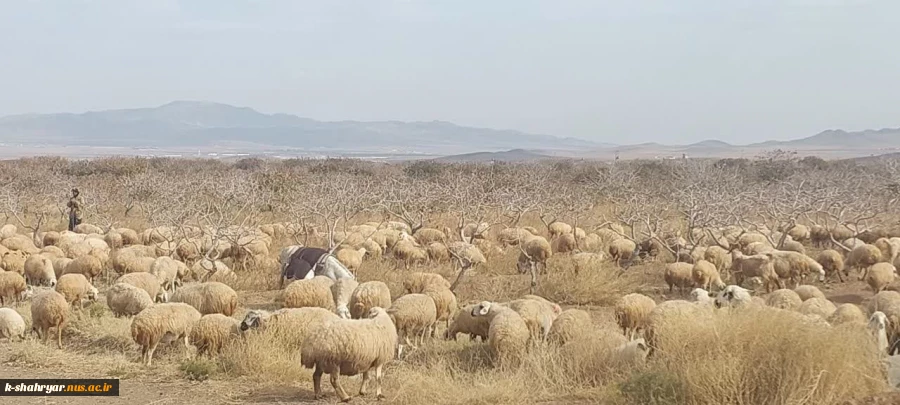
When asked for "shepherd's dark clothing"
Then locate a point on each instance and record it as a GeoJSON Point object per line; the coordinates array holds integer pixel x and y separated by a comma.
{"type": "Point", "coordinates": [302, 262]}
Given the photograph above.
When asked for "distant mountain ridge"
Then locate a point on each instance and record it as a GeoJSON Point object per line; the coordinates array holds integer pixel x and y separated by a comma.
{"type": "Point", "coordinates": [199, 123]}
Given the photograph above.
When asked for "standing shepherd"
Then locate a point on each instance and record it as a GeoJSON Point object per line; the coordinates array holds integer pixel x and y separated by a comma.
{"type": "Point", "coordinates": [75, 206]}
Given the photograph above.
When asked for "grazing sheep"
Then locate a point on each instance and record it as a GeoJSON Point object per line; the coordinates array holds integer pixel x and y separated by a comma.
{"type": "Point", "coordinates": [878, 327]}
{"type": "Point", "coordinates": [410, 253]}
{"type": "Point", "coordinates": [807, 291]}
{"type": "Point", "coordinates": [631, 353]}
{"type": "Point", "coordinates": [8, 231]}
{"type": "Point", "coordinates": [621, 250]}
{"type": "Point", "coordinates": [39, 271]}
{"type": "Point", "coordinates": [162, 323]}
{"type": "Point", "coordinates": [784, 299]}
{"type": "Point", "coordinates": [564, 243]}
{"type": "Point", "coordinates": [567, 325]}
{"type": "Point", "coordinates": [350, 347]}
{"type": "Point", "coordinates": [677, 311]}
{"type": "Point", "coordinates": [293, 323]}
{"type": "Point", "coordinates": [89, 266]}
{"type": "Point", "coordinates": [351, 258]}
{"type": "Point", "coordinates": [799, 233]}
{"type": "Point", "coordinates": [127, 300]}
{"type": "Point", "coordinates": [314, 292]}
{"type": "Point", "coordinates": [75, 288]}
{"type": "Point", "coordinates": [513, 236]}
{"type": "Point", "coordinates": [534, 253]}
{"type": "Point", "coordinates": [719, 257]}
{"type": "Point", "coordinates": [49, 309]}
{"type": "Point", "coordinates": [679, 275]}
{"type": "Point", "coordinates": [20, 243]}
{"type": "Point", "coordinates": [59, 266]}
{"type": "Point", "coordinates": [847, 314]}
{"type": "Point", "coordinates": [427, 236]}
{"type": "Point", "coordinates": [701, 296]}
{"type": "Point", "coordinates": [11, 325]}
{"type": "Point", "coordinates": [538, 314]}
{"type": "Point", "coordinates": [880, 276]}
{"type": "Point", "coordinates": [341, 290]}
{"type": "Point", "coordinates": [208, 298]}
{"type": "Point", "coordinates": [632, 312]}
{"type": "Point", "coordinates": [445, 303]}
{"type": "Point", "coordinates": [12, 287]}
{"type": "Point", "coordinates": [147, 282]}
{"type": "Point", "coordinates": [862, 257]}
{"type": "Point", "coordinates": [414, 315]}
{"type": "Point", "coordinates": [52, 252]}
{"type": "Point", "coordinates": [114, 239]}
{"type": "Point", "coordinates": [438, 252]}
{"type": "Point", "coordinates": [757, 248]}
{"type": "Point", "coordinates": [508, 335]}
{"type": "Point", "coordinates": [733, 296]}
{"type": "Point", "coordinates": [212, 332]}
{"type": "Point", "coordinates": [367, 296]}
{"type": "Point", "coordinates": [762, 266]}
{"type": "Point", "coordinates": [817, 306]}
{"type": "Point", "coordinates": [14, 261]}
{"type": "Point", "coordinates": [832, 262]}
{"type": "Point", "coordinates": [554, 307]}
{"type": "Point", "coordinates": [795, 266]}
{"type": "Point", "coordinates": [169, 271]}
{"type": "Point", "coordinates": [465, 322]}
{"type": "Point", "coordinates": [706, 276]}
{"type": "Point", "coordinates": [418, 282]}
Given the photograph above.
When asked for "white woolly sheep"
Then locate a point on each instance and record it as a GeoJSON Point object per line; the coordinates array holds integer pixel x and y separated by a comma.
{"type": "Point", "coordinates": [427, 236]}
{"type": "Point", "coordinates": [534, 253]}
{"type": "Point", "coordinates": [679, 275]}
{"type": "Point", "coordinates": [169, 271]}
{"type": "Point", "coordinates": [567, 326]}
{"type": "Point", "coordinates": [762, 266]}
{"type": "Point", "coordinates": [341, 290]}
{"type": "Point", "coordinates": [807, 291]}
{"type": "Point", "coordinates": [8, 231]}
{"type": "Point", "coordinates": [880, 276]}
{"type": "Point", "coordinates": [162, 323]}
{"type": "Point", "coordinates": [409, 252]}
{"type": "Point", "coordinates": [465, 322]}
{"type": "Point", "coordinates": [59, 266]}
{"type": "Point", "coordinates": [784, 299]}
{"type": "Point", "coordinates": [11, 325]}
{"type": "Point", "coordinates": [89, 266]}
{"type": "Point", "coordinates": [757, 248]}
{"type": "Point", "coordinates": [632, 313]}
{"type": "Point", "coordinates": [795, 266]}
{"type": "Point", "coordinates": [832, 262]}
{"type": "Point", "coordinates": [211, 270]}
{"type": "Point", "coordinates": [467, 255]}
{"type": "Point", "coordinates": [14, 261]}
{"type": "Point", "coordinates": [368, 295]}
{"type": "Point", "coordinates": [212, 332]}
{"type": "Point", "coordinates": [847, 314]}
{"type": "Point", "coordinates": [351, 258]}
{"type": "Point", "coordinates": [878, 327]}
{"type": "Point", "coordinates": [538, 316]}
{"type": "Point", "coordinates": [20, 243]}
{"type": "Point", "coordinates": [701, 296]}
{"type": "Point", "coordinates": [294, 324]}
{"type": "Point", "coordinates": [563, 243]}
{"type": "Point", "coordinates": [414, 315]}
{"type": "Point", "coordinates": [350, 347]}
{"type": "Point", "coordinates": [513, 236]}
{"type": "Point", "coordinates": [147, 282]}
{"type": "Point", "coordinates": [445, 303]}
{"type": "Point", "coordinates": [127, 300]}
{"type": "Point", "coordinates": [438, 252]}
{"type": "Point", "coordinates": [621, 250]}
{"type": "Point", "coordinates": [314, 292]}
{"type": "Point", "coordinates": [12, 287]}
{"type": "Point", "coordinates": [630, 353]}
{"type": "Point", "coordinates": [889, 247]}
{"type": "Point", "coordinates": [49, 309]}
{"type": "Point", "coordinates": [817, 306]}
{"type": "Point", "coordinates": [75, 288]}
{"type": "Point", "coordinates": [211, 297]}
{"type": "Point", "coordinates": [418, 282]}
{"type": "Point", "coordinates": [508, 334]}
{"type": "Point", "coordinates": [706, 276]}
{"type": "Point", "coordinates": [554, 307]}
{"type": "Point", "coordinates": [733, 296]}
{"type": "Point", "coordinates": [862, 257]}
{"type": "Point", "coordinates": [719, 257]}
{"type": "Point", "coordinates": [52, 252]}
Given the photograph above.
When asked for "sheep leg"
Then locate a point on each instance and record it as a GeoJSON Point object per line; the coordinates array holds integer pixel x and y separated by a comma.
{"type": "Point", "coordinates": [317, 382]}
{"type": "Point", "coordinates": [59, 329]}
{"type": "Point", "coordinates": [336, 383]}
{"type": "Point", "coordinates": [379, 374]}
{"type": "Point", "coordinates": [365, 383]}
{"type": "Point", "coordinates": [152, 349]}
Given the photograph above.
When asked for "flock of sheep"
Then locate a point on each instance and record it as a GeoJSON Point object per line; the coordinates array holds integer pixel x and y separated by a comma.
{"type": "Point", "coordinates": [178, 291]}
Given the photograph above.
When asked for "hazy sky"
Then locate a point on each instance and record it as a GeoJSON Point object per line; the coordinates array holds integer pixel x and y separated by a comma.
{"type": "Point", "coordinates": [625, 72]}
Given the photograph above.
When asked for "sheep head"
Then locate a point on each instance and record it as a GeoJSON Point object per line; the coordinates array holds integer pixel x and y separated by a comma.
{"type": "Point", "coordinates": [482, 309]}
{"type": "Point", "coordinates": [343, 312]}
{"type": "Point", "coordinates": [252, 319]}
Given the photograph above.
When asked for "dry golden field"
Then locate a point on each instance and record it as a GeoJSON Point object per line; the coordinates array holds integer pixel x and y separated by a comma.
{"type": "Point", "coordinates": [752, 355]}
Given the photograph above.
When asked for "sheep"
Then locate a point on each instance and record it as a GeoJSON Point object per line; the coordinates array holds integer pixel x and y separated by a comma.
{"type": "Point", "coordinates": [733, 296]}
{"type": "Point", "coordinates": [832, 262]}
{"type": "Point", "coordinates": [807, 291]}
{"type": "Point", "coordinates": [121, 258]}
{"type": "Point", "coordinates": [784, 299]}
{"type": "Point", "coordinates": [169, 271]}
{"type": "Point", "coordinates": [162, 323]}
{"type": "Point", "coordinates": [368, 295]}
{"type": "Point", "coordinates": [538, 314]}
{"type": "Point", "coordinates": [880, 276]}
{"type": "Point", "coordinates": [719, 257]}
{"type": "Point", "coordinates": [564, 243]}
{"type": "Point", "coordinates": [212, 332]}
{"type": "Point", "coordinates": [847, 314]}
{"type": "Point", "coordinates": [351, 258]}
{"type": "Point", "coordinates": [467, 255]}
{"type": "Point", "coordinates": [59, 266]}
{"type": "Point", "coordinates": [795, 266]}
{"type": "Point", "coordinates": [799, 232]}
{"type": "Point", "coordinates": [817, 306]}
{"type": "Point", "coordinates": [52, 252]}
{"type": "Point", "coordinates": [139, 265]}
{"type": "Point", "coordinates": [630, 353]}
{"type": "Point", "coordinates": [147, 282]}
{"type": "Point", "coordinates": [314, 292]}
{"type": "Point", "coordinates": [878, 327]}
{"type": "Point", "coordinates": [862, 257]}
{"type": "Point", "coordinates": [679, 275]}
{"type": "Point", "coordinates": [890, 248]}
{"type": "Point", "coordinates": [672, 311]}
{"type": "Point", "coordinates": [632, 312]}
{"type": "Point", "coordinates": [293, 323]}
{"type": "Point", "coordinates": [426, 236]}
{"type": "Point", "coordinates": [11, 325]}
{"type": "Point", "coordinates": [445, 303]}
{"type": "Point", "coordinates": [418, 282]}
{"type": "Point", "coordinates": [414, 315]}
{"type": "Point", "coordinates": [533, 255]}
{"type": "Point", "coordinates": [14, 261]}
{"type": "Point", "coordinates": [12, 287]}
{"type": "Point", "coordinates": [465, 322]}
{"type": "Point", "coordinates": [211, 270]}
{"type": "Point", "coordinates": [210, 297]}
{"type": "Point", "coordinates": [586, 261]}
{"type": "Point", "coordinates": [621, 250]}
{"type": "Point", "coordinates": [567, 325]}
{"type": "Point", "coordinates": [409, 253]}
{"type": "Point", "coordinates": [8, 231]}
{"type": "Point", "coordinates": [89, 266]}
{"type": "Point", "coordinates": [762, 266]}
{"type": "Point", "coordinates": [438, 252]}
{"type": "Point", "coordinates": [341, 291]}
{"type": "Point", "coordinates": [554, 307]}
{"type": "Point", "coordinates": [49, 309]}
{"type": "Point", "coordinates": [75, 288]}
{"type": "Point", "coordinates": [127, 300]}
{"type": "Point", "coordinates": [706, 276]}
{"type": "Point", "coordinates": [114, 239]}
{"type": "Point", "coordinates": [18, 242]}
{"type": "Point", "coordinates": [513, 236]}
{"type": "Point", "coordinates": [757, 248]}
{"type": "Point", "coordinates": [508, 334]}
{"type": "Point", "coordinates": [349, 347]}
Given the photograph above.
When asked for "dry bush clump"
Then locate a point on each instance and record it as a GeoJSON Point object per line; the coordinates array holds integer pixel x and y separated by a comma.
{"type": "Point", "coordinates": [602, 285]}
